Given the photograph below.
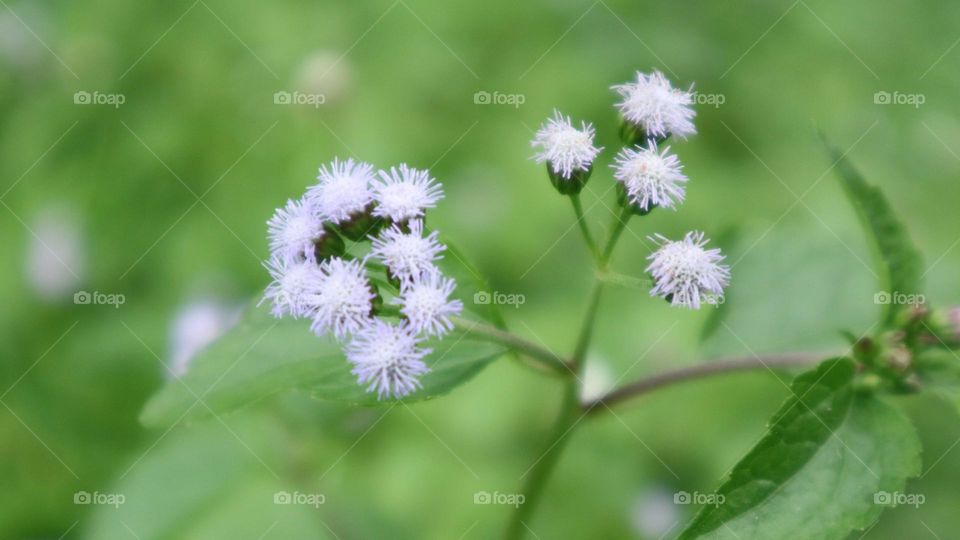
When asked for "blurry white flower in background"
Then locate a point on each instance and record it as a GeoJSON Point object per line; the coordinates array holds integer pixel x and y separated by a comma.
{"type": "Point", "coordinates": [324, 72]}
{"type": "Point", "coordinates": [195, 325]}
{"type": "Point", "coordinates": [653, 513]}
{"type": "Point", "coordinates": [17, 47]}
{"type": "Point", "coordinates": [597, 379]}
{"type": "Point", "coordinates": [55, 260]}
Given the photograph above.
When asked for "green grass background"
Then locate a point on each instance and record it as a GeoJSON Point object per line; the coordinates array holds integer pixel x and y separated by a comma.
{"type": "Point", "coordinates": [199, 79]}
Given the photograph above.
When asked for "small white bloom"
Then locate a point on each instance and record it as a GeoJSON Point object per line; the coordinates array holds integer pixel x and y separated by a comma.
{"type": "Point", "coordinates": [343, 300]}
{"type": "Point", "coordinates": [294, 285]}
{"type": "Point", "coordinates": [687, 274]}
{"type": "Point", "coordinates": [56, 260]}
{"type": "Point", "coordinates": [405, 193]}
{"type": "Point", "coordinates": [407, 255]}
{"type": "Point", "coordinates": [343, 189]}
{"type": "Point", "coordinates": [196, 325]}
{"type": "Point", "coordinates": [388, 358]}
{"type": "Point", "coordinates": [597, 380]}
{"type": "Point", "coordinates": [654, 105]}
{"type": "Point", "coordinates": [293, 230]}
{"type": "Point", "coordinates": [426, 303]}
{"type": "Point", "coordinates": [566, 148]}
{"type": "Point", "coordinates": [650, 178]}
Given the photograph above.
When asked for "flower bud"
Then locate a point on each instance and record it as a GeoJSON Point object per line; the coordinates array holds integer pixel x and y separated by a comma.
{"type": "Point", "coordinates": [945, 325]}
{"type": "Point", "coordinates": [361, 225]}
{"type": "Point", "coordinates": [572, 185]}
{"type": "Point", "coordinates": [329, 245]}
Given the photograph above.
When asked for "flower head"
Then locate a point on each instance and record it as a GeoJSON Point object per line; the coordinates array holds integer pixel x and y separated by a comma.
{"type": "Point", "coordinates": [343, 189]}
{"type": "Point", "coordinates": [293, 287]}
{"type": "Point", "coordinates": [685, 273]}
{"type": "Point", "coordinates": [405, 193]}
{"type": "Point", "coordinates": [650, 178]}
{"type": "Point", "coordinates": [388, 358]}
{"type": "Point", "coordinates": [565, 148]}
{"type": "Point", "coordinates": [658, 108]}
{"type": "Point", "coordinates": [293, 230]}
{"type": "Point", "coordinates": [343, 299]}
{"type": "Point", "coordinates": [425, 302]}
{"type": "Point", "coordinates": [407, 254]}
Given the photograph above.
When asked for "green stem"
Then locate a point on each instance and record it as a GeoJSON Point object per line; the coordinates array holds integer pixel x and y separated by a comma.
{"type": "Point", "coordinates": [539, 473]}
{"type": "Point", "coordinates": [618, 227]}
{"type": "Point", "coordinates": [546, 359]}
{"type": "Point", "coordinates": [586, 328]}
{"type": "Point", "coordinates": [622, 280]}
{"type": "Point", "coordinates": [587, 237]}
{"type": "Point", "coordinates": [700, 371]}
{"type": "Point", "coordinates": [567, 420]}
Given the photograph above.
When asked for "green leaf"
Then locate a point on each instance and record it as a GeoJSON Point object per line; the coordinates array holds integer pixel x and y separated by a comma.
{"type": "Point", "coordinates": [900, 258]}
{"type": "Point", "coordinates": [828, 452]}
{"type": "Point", "coordinates": [264, 356]}
{"type": "Point", "coordinates": [470, 283]}
{"type": "Point", "coordinates": [209, 482]}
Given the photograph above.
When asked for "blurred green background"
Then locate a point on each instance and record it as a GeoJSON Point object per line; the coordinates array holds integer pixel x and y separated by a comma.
{"type": "Point", "coordinates": [163, 200]}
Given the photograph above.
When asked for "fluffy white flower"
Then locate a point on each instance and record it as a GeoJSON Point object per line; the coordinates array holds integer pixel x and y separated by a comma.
{"type": "Point", "coordinates": [388, 358]}
{"type": "Point", "coordinates": [425, 302]}
{"type": "Point", "coordinates": [407, 254]}
{"type": "Point", "coordinates": [293, 230]}
{"type": "Point", "coordinates": [294, 285]}
{"type": "Point", "coordinates": [566, 148]}
{"type": "Point", "coordinates": [654, 105]}
{"type": "Point", "coordinates": [650, 178]}
{"type": "Point", "coordinates": [343, 189]}
{"type": "Point", "coordinates": [685, 273]}
{"type": "Point", "coordinates": [343, 299]}
{"type": "Point", "coordinates": [405, 193]}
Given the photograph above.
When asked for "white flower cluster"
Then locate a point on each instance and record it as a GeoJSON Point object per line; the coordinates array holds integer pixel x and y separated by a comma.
{"type": "Point", "coordinates": [314, 277]}
{"type": "Point", "coordinates": [653, 110]}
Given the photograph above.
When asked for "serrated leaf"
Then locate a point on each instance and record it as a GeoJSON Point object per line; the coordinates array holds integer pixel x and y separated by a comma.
{"type": "Point", "coordinates": [264, 356]}
{"type": "Point", "coordinates": [900, 258]}
{"type": "Point", "coordinates": [827, 454]}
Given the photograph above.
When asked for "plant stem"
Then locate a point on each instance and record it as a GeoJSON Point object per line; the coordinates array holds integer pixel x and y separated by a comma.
{"type": "Point", "coordinates": [539, 473]}
{"type": "Point", "coordinates": [622, 280]}
{"type": "Point", "coordinates": [716, 367]}
{"type": "Point", "coordinates": [619, 225]}
{"type": "Point", "coordinates": [545, 358]}
{"type": "Point", "coordinates": [587, 237]}
{"type": "Point", "coordinates": [586, 328]}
